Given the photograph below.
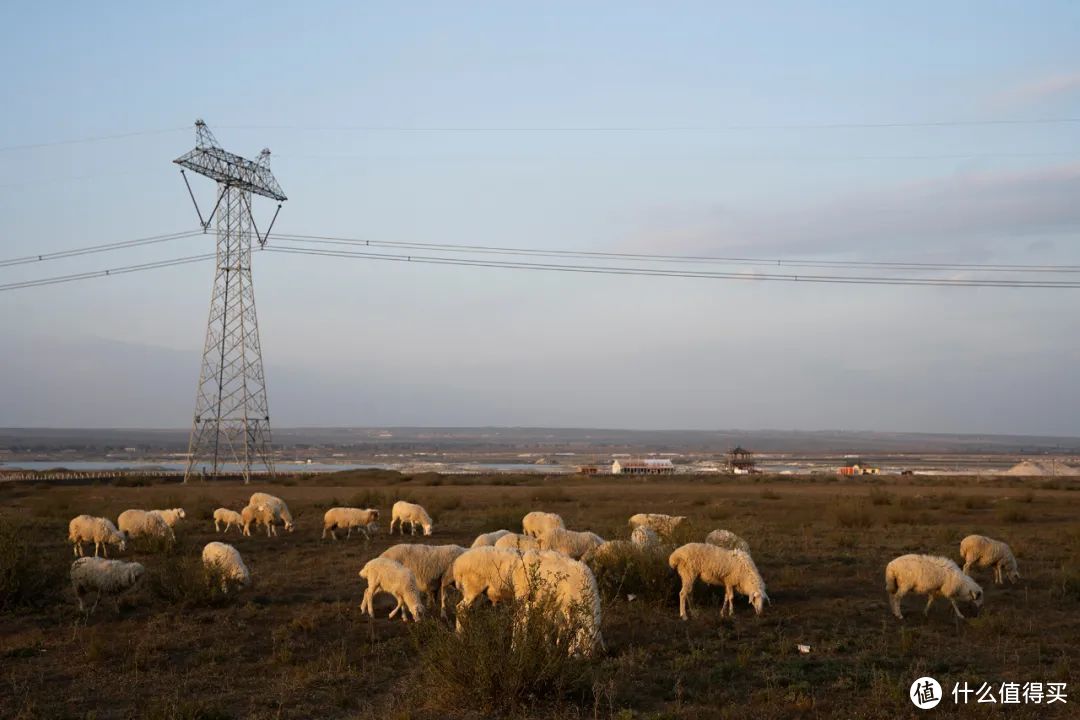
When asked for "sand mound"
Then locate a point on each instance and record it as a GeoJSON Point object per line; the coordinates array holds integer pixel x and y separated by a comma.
{"type": "Point", "coordinates": [1030, 468]}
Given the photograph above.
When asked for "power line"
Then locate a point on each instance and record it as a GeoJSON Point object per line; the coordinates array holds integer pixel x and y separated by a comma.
{"type": "Point", "coordinates": [123, 270]}
{"type": "Point", "coordinates": [690, 259]}
{"type": "Point", "coordinates": [654, 272]}
{"type": "Point", "coordinates": [91, 249]}
{"type": "Point", "coordinates": [99, 138]}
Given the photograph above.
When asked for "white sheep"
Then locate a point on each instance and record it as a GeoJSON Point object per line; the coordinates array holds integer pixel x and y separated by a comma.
{"type": "Point", "coordinates": [734, 569]}
{"type": "Point", "coordinates": [171, 516]}
{"type": "Point", "coordinates": [109, 578]}
{"type": "Point", "coordinates": [144, 523]}
{"type": "Point", "coordinates": [407, 512]}
{"type": "Point", "coordinates": [390, 576]}
{"type": "Point", "coordinates": [728, 540]}
{"type": "Point", "coordinates": [98, 530]}
{"type": "Point", "coordinates": [349, 518]}
{"type": "Point", "coordinates": [277, 505]}
{"type": "Point", "coordinates": [228, 518]}
{"type": "Point", "coordinates": [485, 571]}
{"type": "Point", "coordinates": [662, 525]}
{"type": "Point", "coordinates": [259, 515]}
{"type": "Point", "coordinates": [572, 543]}
{"type": "Point", "coordinates": [981, 551]}
{"type": "Point", "coordinates": [225, 560]}
{"type": "Point", "coordinates": [431, 564]}
{"type": "Point", "coordinates": [573, 587]}
{"type": "Point", "coordinates": [517, 542]}
{"type": "Point", "coordinates": [644, 537]}
{"type": "Point", "coordinates": [489, 539]}
{"type": "Point", "coordinates": [929, 575]}
{"type": "Point", "coordinates": [537, 523]}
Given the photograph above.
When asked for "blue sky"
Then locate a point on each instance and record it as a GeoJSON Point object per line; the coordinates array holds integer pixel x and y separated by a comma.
{"type": "Point", "coordinates": [507, 103]}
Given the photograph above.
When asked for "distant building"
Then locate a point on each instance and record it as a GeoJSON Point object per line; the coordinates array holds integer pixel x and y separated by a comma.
{"type": "Point", "coordinates": [857, 467]}
{"type": "Point", "coordinates": [741, 461]}
{"type": "Point", "coordinates": [650, 466]}
{"type": "Point", "coordinates": [591, 470]}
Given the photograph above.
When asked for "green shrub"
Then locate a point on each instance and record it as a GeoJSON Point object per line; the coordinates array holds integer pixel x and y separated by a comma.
{"type": "Point", "coordinates": [368, 499]}
{"type": "Point", "coordinates": [880, 497]}
{"type": "Point", "coordinates": [855, 516]}
{"type": "Point", "coordinates": [632, 570]}
{"type": "Point", "coordinates": [179, 577]}
{"type": "Point", "coordinates": [27, 576]}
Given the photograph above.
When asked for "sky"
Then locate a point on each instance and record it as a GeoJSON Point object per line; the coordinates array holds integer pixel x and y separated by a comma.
{"type": "Point", "coordinates": [769, 130]}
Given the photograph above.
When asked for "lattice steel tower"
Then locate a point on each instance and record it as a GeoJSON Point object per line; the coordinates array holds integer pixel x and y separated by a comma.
{"type": "Point", "coordinates": [232, 419]}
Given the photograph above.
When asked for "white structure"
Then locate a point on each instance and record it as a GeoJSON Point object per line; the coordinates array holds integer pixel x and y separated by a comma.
{"type": "Point", "coordinates": [649, 466]}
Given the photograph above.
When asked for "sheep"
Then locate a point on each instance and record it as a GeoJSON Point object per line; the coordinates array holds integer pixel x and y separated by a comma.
{"type": "Point", "coordinates": [431, 564]}
{"type": "Point", "coordinates": [260, 515]}
{"type": "Point", "coordinates": [727, 540]}
{"type": "Point", "coordinates": [489, 539]}
{"type": "Point", "coordinates": [143, 523]}
{"type": "Point", "coordinates": [644, 537]}
{"type": "Point", "coordinates": [390, 576]}
{"type": "Point", "coordinates": [224, 560]}
{"type": "Point", "coordinates": [280, 509]}
{"type": "Point", "coordinates": [105, 577]}
{"type": "Point", "coordinates": [571, 543]}
{"type": "Point", "coordinates": [517, 542]}
{"type": "Point", "coordinates": [347, 518]}
{"type": "Point", "coordinates": [662, 525]}
{"type": "Point", "coordinates": [981, 551]}
{"type": "Point", "coordinates": [171, 516]}
{"type": "Point", "coordinates": [573, 588]}
{"type": "Point", "coordinates": [929, 575]}
{"type": "Point", "coordinates": [537, 523]}
{"type": "Point", "coordinates": [734, 569]}
{"type": "Point", "coordinates": [484, 570]}
{"type": "Point", "coordinates": [229, 518]}
{"type": "Point", "coordinates": [98, 530]}
{"type": "Point", "coordinates": [407, 512]}
{"type": "Point", "coordinates": [610, 550]}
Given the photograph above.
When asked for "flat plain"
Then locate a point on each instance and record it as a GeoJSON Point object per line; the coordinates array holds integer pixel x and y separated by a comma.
{"type": "Point", "coordinates": [294, 645]}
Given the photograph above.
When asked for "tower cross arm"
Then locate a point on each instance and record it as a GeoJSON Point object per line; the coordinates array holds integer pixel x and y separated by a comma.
{"type": "Point", "coordinates": [233, 170]}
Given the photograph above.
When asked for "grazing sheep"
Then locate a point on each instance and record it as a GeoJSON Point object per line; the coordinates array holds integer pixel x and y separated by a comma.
{"type": "Point", "coordinates": [662, 525]}
{"type": "Point", "coordinates": [489, 539]}
{"type": "Point", "coordinates": [105, 577]}
{"type": "Point", "coordinates": [144, 523]}
{"type": "Point", "coordinates": [277, 505]}
{"type": "Point", "coordinates": [98, 530]}
{"type": "Point", "coordinates": [225, 560]}
{"type": "Point", "coordinates": [644, 537]}
{"type": "Point", "coordinates": [727, 540]}
{"type": "Point", "coordinates": [484, 570]}
{"type": "Point", "coordinates": [574, 590]}
{"type": "Point", "coordinates": [537, 523]}
{"type": "Point", "coordinates": [260, 515]}
{"type": "Point", "coordinates": [407, 512]}
{"type": "Point", "coordinates": [929, 575]}
{"type": "Point", "coordinates": [734, 569]}
{"type": "Point", "coordinates": [229, 518]}
{"type": "Point", "coordinates": [431, 564]}
{"type": "Point", "coordinates": [171, 516]}
{"type": "Point", "coordinates": [390, 576]}
{"type": "Point", "coordinates": [981, 551]}
{"type": "Point", "coordinates": [571, 543]}
{"type": "Point", "coordinates": [347, 518]}
{"type": "Point", "coordinates": [517, 542]}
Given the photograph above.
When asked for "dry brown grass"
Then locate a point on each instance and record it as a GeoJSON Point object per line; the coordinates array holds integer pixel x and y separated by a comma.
{"type": "Point", "coordinates": [295, 646]}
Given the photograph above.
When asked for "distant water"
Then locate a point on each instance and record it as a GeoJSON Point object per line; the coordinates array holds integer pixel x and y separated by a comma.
{"type": "Point", "coordinates": [102, 465]}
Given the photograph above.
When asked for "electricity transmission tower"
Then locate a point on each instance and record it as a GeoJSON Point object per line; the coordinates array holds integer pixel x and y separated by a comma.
{"type": "Point", "coordinates": [232, 419]}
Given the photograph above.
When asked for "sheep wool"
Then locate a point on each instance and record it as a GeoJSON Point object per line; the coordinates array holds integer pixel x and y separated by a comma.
{"type": "Point", "coordinates": [574, 589]}
{"type": "Point", "coordinates": [537, 523]}
{"type": "Point", "coordinates": [662, 525]}
{"type": "Point", "coordinates": [98, 530]}
{"type": "Point", "coordinates": [431, 564]}
{"type": "Point", "coordinates": [228, 518]}
{"type": "Point", "coordinates": [981, 551]}
{"type": "Point", "coordinates": [644, 537]}
{"type": "Point", "coordinates": [144, 523]}
{"type": "Point", "coordinates": [727, 540]}
{"type": "Point", "coordinates": [929, 575]}
{"type": "Point", "coordinates": [734, 569]}
{"type": "Point", "coordinates": [407, 512]}
{"type": "Point", "coordinates": [517, 542]}
{"type": "Point", "coordinates": [259, 515]}
{"type": "Point", "coordinates": [390, 576]}
{"type": "Point", "coordinates": [225, 560]}
{"type": "Point", "coordinates": [107, 578]}
{"type": "Point", "coordinates": [348, 518]}
{"type": "Point", "coordinates": [485, 570]}
{"type": "Point", "coordinates": [572, 543]}
{"type": "Point", "coordinates": [489, 539]}
{"type": "Point", "coordinates": [277, 506]}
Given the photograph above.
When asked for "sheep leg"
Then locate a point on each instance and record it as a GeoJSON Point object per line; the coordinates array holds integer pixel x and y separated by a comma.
{"type": "Point", "coordinates": [365, 604]}
{"type": "Point", "coordinates": [217, 527]}
{"type": "Point", "coordinates": [684, 596]}
{"type": "Point", "coordinates": [997, 575]}
{"type": "Point", "coordinates": [397, 609]}
{"type": "Point", "coordinates": [325, 528]}
{"type": "Point", "coordinates": [93, 609]}
{"type": "Point", "coordinates": [967, 566]}
{"type": "Point", "coordinates": [929, 602]}
{"type": "Point", "coordinates": [412, 527]}
{"type": "Point", "coordinates": [729, 600]}
{"type": "Point", "coordinates": [958, 613]}
{"type": "Point", "coordinates": [894, 602]}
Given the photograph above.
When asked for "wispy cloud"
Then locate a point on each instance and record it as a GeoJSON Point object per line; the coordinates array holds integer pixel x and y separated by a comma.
{"type": "Point", "coordinates": [1038, 91]}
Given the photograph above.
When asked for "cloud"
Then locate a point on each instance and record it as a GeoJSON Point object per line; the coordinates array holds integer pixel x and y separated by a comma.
{"type": "Point", "coordinates": [969, 214]}
{"type": "Point", "coordinates": [1038, 91]}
